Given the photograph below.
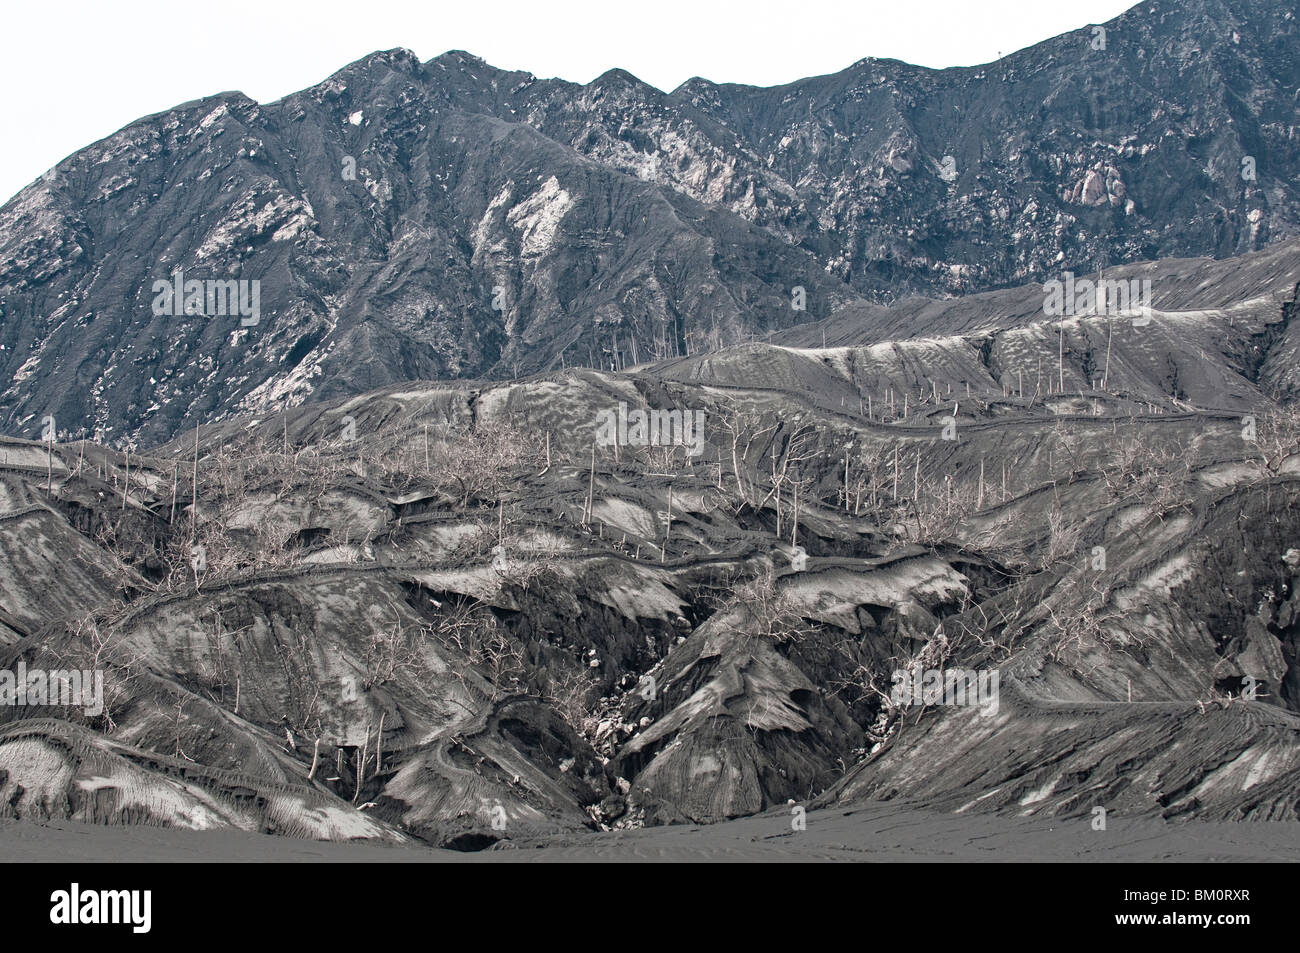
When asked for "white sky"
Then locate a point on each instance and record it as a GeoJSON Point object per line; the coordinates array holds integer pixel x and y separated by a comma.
{"type": "Point", "coordinates": [76, 71]}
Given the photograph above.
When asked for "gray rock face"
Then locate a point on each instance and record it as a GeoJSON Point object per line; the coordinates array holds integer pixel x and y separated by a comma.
{"type": "Point", "coordinates": [450, 219]}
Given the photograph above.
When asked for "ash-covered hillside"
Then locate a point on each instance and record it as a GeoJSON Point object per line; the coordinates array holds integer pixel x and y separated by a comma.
{"type": "Point", "coordinates": [449, 219]}
{"type": "Point", "coordinates": [472, 613]}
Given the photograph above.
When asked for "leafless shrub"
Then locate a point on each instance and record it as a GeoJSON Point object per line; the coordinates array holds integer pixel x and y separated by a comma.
{"type": "Point", "coordinates": [482, 462]}
{"type": "Point", "coordinates": [221, 671]}
{"type": "Point", "coordinates": [524, 571]}
{"type": "Point", "coordinates": [394, 648]}
{"type": "Point", "coordinates": [668, 458]}
{"type": "Point", "coordinates": [93, 644]}
{"type": "Point", "coordinates": [478, 636]}
{"type": "Point", "coordinates": [767, 612]}
{"type": "Point", "coordinates": [1276, 438]}
{"type": "Point", "coordinates": [1063, 534]}
{"type": "Point", "coordinates": [1142, 472]}
{"type": "Point", "coordinates": [741, 431]}
{"type": "Point", "coordinates": [569, 691]}
{"type": "Point", "coordinates": [785, 474]}
{"type": "Point", "coordinates": [860, 682]}
{"type": "Point", "coordinates": [1088, 623]}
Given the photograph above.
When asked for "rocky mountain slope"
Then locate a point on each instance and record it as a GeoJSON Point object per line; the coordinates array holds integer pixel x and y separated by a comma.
{"type": "Point", "coordinates": [452, 613]}
{"type": "Point", "coordinates": [449, 219]}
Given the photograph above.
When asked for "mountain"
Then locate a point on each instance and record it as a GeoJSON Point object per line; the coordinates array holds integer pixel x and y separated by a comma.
{"type": "Point", "coordinates": [454, 614]}
{"type": "Point", "coordinates": [532, 462]}
{"type": "Point", "coordinates": [448, 219]}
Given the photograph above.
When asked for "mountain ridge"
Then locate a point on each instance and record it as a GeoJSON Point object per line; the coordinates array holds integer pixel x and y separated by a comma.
{"type": "Point", "coordinates": [447, 218]}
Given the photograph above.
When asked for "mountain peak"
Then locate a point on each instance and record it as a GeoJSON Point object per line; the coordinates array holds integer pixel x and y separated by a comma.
{"type": "Point", "coordinates": [624, 212]}
{"type": "Point", "coordinates": [618, 77]}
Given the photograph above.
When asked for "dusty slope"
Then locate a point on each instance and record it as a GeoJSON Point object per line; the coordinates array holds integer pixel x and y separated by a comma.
{"type": "Point", "coordinates": [446, 612]}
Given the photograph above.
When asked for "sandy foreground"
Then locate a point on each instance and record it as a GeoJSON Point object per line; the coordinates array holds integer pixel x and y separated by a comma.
{"type": "Point", "coordinates": [875, 832]}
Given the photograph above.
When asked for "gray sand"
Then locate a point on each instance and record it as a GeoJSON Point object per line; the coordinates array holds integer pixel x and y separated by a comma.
{"type": "Point", "coordinates": [870, 832]}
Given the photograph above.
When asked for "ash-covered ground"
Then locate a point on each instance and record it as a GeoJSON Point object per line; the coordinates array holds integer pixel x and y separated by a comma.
{"type": "Point", "coordinates": [1031, 583]}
